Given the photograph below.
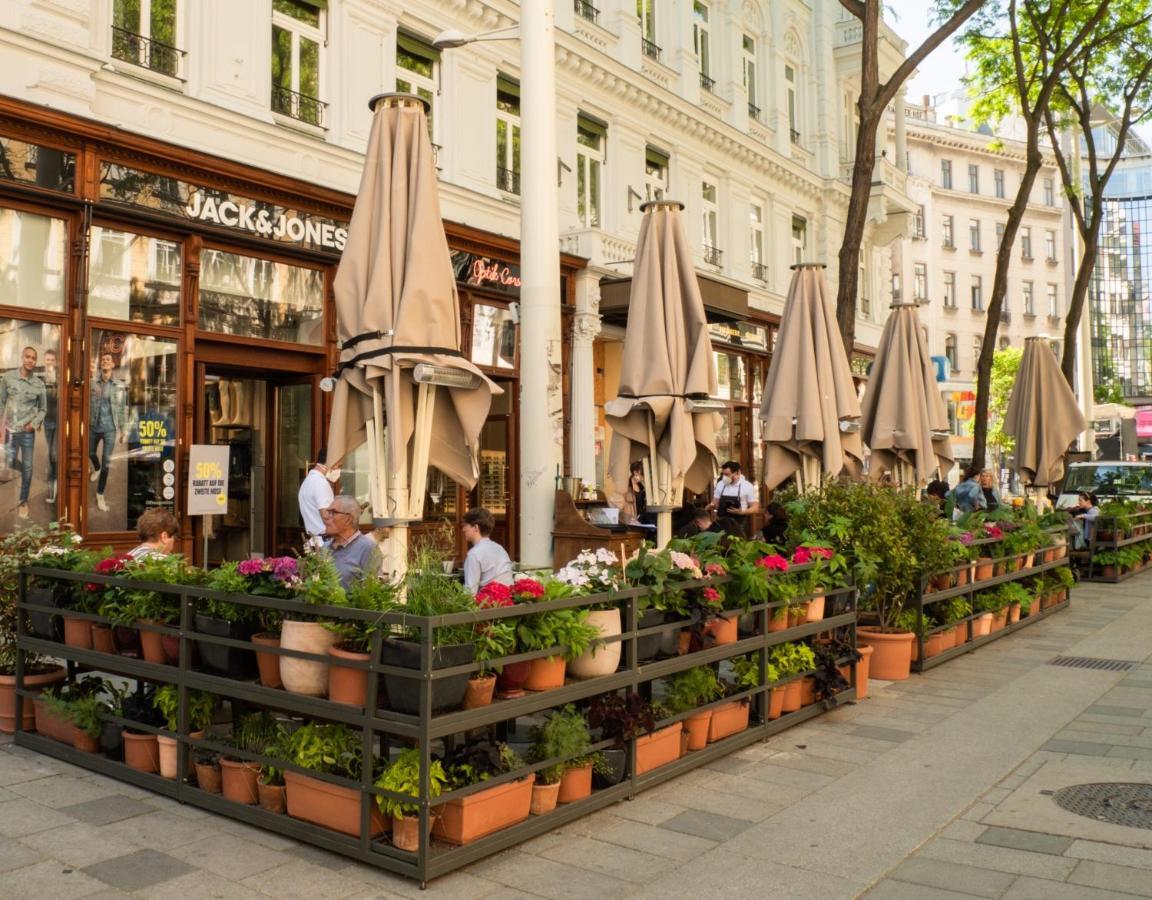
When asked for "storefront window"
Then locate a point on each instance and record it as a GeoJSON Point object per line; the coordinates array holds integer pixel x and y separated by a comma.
{"type": "Point", "coordinates": [29, 404]}
{"type": "Point", "coordinates": [731, 376]}
{"type": "Point", "coordinates": [33, 250]}
{"type": "Point", "coordinates": [131, 433]}
{"type": "Point", "coordinates": [133, 277]}
{"type": "Point", "coordinates": [493, 337]}
{"type": "Point", "coordinates": [32, 164]}
{"type": "Point", "coordinates": [253, 298]}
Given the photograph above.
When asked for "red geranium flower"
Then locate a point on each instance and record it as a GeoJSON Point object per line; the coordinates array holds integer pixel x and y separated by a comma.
{"type": "Point", "coordinates": [714, 568]}
{"type": "Point", "coordinates": [524, 589]}
{"type": "Point", "coordinates": [112, 565]}
{"type": "Point", "coordinates": [774, 561]}
{"type": "Point", "coordinates": [711, 595]}
{"type": "Point", "coordinates": [494, 595]}
{"type": "Point", "coordinates": [801, 556]}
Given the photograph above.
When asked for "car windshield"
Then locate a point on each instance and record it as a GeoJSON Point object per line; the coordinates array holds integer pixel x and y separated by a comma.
{"type": "Point", "coordinates": [1110, 480]}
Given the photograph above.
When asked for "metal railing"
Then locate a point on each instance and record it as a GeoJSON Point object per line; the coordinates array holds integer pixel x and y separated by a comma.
{"type": "Point", "coordinates": [586, 10]}
{"type": "Point", "coordinates": [650, 49]}
{"type": "Point", "coordinates": [138, 50]}
{"type": "Point", "coordinates": [795, 135]}
{"type": "Point", "coordinates": [298, 106]}
{"type": "Point", "coordinates": [712, 255]}
{"type": "Point", "coordinates": [508, 180]}
{"type": "Point", "coordinates": [753, 112]}
{"type": "Point", "coordinates": [707, 83]}
{"type": "Point", "coordinates": [760, 271]}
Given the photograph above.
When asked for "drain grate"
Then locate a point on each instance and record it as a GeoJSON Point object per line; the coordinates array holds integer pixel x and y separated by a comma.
{"type": "Point", "coordinates": [1087, 662]}
{"type": "Point", "coordinates": [1119, 804]}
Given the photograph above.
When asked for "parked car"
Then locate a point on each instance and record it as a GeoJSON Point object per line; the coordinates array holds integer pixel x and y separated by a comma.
{"type": "Point", "coordinates": [1123, 480]}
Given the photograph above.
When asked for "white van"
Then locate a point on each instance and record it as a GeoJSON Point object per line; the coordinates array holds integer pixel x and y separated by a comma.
{"type": "Point", "coordinates": [1108, 480]}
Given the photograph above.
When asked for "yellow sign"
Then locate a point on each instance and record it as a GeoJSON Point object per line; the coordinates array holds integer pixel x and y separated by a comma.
{"type": "Point", "coordinates": [208, 480]}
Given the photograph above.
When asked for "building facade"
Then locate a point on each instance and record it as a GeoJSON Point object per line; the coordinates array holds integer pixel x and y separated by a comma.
{"type": "Point", "coordinates": [963, 183]}
{"type": "Point", "coordinates": [176, 179]}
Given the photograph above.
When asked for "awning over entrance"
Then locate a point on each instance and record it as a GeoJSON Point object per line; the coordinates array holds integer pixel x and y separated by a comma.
{"type": "Point", "coordinates": [723, 302]}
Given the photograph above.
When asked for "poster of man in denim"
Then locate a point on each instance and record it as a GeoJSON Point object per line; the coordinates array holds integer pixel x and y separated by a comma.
{"type": "Point", "coordinates": [107, 423]}
{"type": "Point", "coordinates": [24, 402]}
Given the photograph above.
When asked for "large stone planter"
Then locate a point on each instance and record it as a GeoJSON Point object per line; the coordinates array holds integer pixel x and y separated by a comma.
{"type": "Point", "coordinates": [303, 676]}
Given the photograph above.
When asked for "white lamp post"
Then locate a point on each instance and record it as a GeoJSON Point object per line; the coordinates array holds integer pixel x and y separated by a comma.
{"type": "Point", "coordinates": [541, 394]}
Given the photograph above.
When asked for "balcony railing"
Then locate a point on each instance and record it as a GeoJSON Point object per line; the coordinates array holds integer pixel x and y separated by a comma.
{"type": "Point", "coordinates": [707, 83]}
{"type": "Point", "coordinates": [650, 49]}
{"type": "Point", "coordinates": [508, 180]}
{"type": "Point", "coordinates": [712, 255]}
{"type": "Point", "coordinates": [586, 10]}
{"type": "Point", "coordinates": [795, 135]}
{"type": "Point", "coordinates": [760, 271]}
{"type": "Point", "coordinates": [754, 112]}
{"type": "Point", "coordinates": [141, 51]}
{"type": "Point", "coordinates": [298, 106]}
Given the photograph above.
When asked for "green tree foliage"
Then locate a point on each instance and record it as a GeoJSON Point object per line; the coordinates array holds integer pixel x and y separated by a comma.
{"type": "Point", "coordinates": [1005, 366]}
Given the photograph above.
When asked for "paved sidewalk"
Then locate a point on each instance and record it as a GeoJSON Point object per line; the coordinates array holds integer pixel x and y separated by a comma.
{"type": "Point", "coordinates": [935, 787]}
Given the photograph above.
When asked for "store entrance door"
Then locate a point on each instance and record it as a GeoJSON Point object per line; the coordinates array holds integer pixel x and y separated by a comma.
{"type": "Point", "coordinates": [267, 422]}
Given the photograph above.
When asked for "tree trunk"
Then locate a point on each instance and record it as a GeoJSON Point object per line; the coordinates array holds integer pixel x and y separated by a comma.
{"type": "Point", "coordinates": [1077, 300]}
{"type": "Point", "coordinates": [999, 289]}
{"type": "Point", "coordinates": [854, 224]}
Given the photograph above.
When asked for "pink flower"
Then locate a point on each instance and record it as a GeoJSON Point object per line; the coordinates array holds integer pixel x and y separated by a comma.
{"type": "Point", "coordinates": [826, 552]}
{"type": "Point", "coordinates": [801, 556]}
{"type": "Point", "coordinates": [714, 568]}
{"type": "Point", "coordinates": [711, 595]}
{"type": "Point", "coordinates": [494, 595]}
{"type": "Point", "coordinates": [993, 531]}
{"type": "Point", "coordinates": [249, 567]}
{"type": "Point", "coordinates": [773, 562]}
{"type": "Point", "coordinates": [966, 538]}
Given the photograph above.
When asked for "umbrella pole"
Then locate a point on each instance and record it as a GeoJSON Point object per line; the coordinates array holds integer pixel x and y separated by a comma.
{"type": "Point", "coordinates": [377, 465]}
{"type": "Point", "coordinates": [663, 528]}
{"type": "Point", "coordinates": [425, 412]}
{"type": "Point", "coordinates": [397, 489]}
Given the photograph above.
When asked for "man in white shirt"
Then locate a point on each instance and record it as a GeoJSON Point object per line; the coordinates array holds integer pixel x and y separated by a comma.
{"type": "Point", "coordinates": [486, 561]}
{"type": "Point", "coordinates": [316, 494]}
{"type": "Point", "coordinates": [735, 495]}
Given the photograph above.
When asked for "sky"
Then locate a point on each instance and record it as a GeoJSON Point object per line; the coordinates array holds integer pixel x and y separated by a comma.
{"type": "Point", "coordinates": [942, 69]}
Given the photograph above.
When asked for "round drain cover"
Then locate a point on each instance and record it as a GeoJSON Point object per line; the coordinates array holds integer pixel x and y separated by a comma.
{"type": "Point", "coordinates": [1119, 803]}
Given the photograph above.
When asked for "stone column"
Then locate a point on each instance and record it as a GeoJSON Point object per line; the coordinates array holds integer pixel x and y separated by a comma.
{"type": "Point", "coordinates": [585, 327]}
{"type": "Point", "coordinates": [901, 160]}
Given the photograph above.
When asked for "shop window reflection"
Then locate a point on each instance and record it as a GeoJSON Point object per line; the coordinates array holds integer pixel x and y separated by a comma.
{"type": "Point", "coordinates": [30, 374]}
{"type": "Point", "coordinates": [493, 337]}
{"type": "Point", "coordinates": [133, 277]}
{"type": "Point", "coordinates": [131, 428]}
{"type": "Point", "coordinates": [730, 376]}
{"type": "Point", "coordinates": [32, 255]}
{"type": "Point", "coordinates": [254, 297]}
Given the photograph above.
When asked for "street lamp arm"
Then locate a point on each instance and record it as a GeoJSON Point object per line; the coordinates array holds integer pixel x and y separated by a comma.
{"type": "Point", "coordinates": [452, 37]}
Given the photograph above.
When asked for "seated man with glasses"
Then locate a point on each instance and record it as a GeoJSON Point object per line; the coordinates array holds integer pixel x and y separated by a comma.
{"type": "Point", "coordinates": [354, 553]}
{"type": "Point", "coordinates": [486, 561]}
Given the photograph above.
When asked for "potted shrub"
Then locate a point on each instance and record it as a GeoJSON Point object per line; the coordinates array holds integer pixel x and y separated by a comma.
{"type": "Point", "coordinates": [491, 641]}
{"type": "Point", "coordinates": [685, 691]}
{"type": "Point", "coordinates": [790, 660]}
{"type": "Point", "coordinates": [824, 573]}
{"type": "Point", "coordinates": [207, 766]}
{"type": "Point", "coordinates": [512, 677]}
{"type": "Point", "coordinates": [222, 618]}
{"type": "Point", "coordinates": [589, 574]}
{"type": "Point", "coordinates": [201, 708]}
{"type": "Point", "coordinates": [732, 717]}
{"type": "Point", "coordinates": [429, 593]}
{"type": "Point", "coordinates": [64, 554]}
{"type": "Point", "coordinates": [17, 549]}
{"type": "Point", "coordinates": [482, 812]}
{"type": "Point", "coordinates": [313, 580]}
{"type": "Point", "coordinates": [626, 716]}
{"type": "Point", "coordinates": [270, 788]}
{"type": "Point", "coordinates": [334, 750]}
{"type": "Point", "coordinates": [653, 570]}
{"type": "Point", "coordinates": [403, 777]}
{"type": "Point", "coordinates": [347, 684]}
{"type": "Point", "coordinates": [141, 749]}
{"type": "Point", "coordinates": [87, 714]}
{"type": "Point", "coordinates": [73, 713]}
{"type": "Point", "coordinates": [252, 734]}
{"type": "Point", "coordinates": [566, 632]}
{"type": "Point", "coordinates": [151, 609]}
{"type": "Point", "coordinates": [565, 737]}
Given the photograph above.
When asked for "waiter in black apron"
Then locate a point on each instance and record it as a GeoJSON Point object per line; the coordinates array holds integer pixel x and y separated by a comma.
{"type": "Point", "coordinates": [735, 496]}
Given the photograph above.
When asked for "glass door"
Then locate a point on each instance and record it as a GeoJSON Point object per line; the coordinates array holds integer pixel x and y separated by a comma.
{"type": "Point", "coordinates": [292, 456]}
{"type": "Point", "coordinates": [496, 488]}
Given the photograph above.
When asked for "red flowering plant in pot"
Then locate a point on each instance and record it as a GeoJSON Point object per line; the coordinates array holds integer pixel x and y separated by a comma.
{"type": "Point", "coordinates": [494, 639]}
{"type": "Point", "coordinates": [135, 602]}
{"type": "Point", "coordinates": [825, 571]}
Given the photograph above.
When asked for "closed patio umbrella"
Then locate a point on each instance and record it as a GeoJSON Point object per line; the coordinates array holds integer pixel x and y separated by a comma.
{"type": "Point", "coordinates": [398, 320]}
{"type": "Point", "coordinates": [810, 410]}
{"type": "Point", "coordinates": [662, 414]}
{"type": "Point", "coordinates": [903, 417]}
{"type": "Point", "coordinates": [1042, 415]}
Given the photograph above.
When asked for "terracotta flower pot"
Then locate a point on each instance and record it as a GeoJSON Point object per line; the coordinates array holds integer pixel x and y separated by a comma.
{"type": "Point", "coordinates": [960, 634]}
{"type": "Point", "coordinates": [152, 644]}
{"type": "Point", "coordinates": [807, 690]}
{"type": "Point", "coordinates": [321, 803]}
{"type": "Point", "coordinates": [303, 676]}
{"type": "Point", "coordinates": [510, 681]}
{"type": "Point", "coordinates": [724, 629]}
{"type": "Point", "coordinates": [863, 670]}
{"type": "Point", "coordinates": [238, 780]}
{"type": "Point", "coordinates": [1108, 571]}
{"type": "Point", "coordinates": [933, 645]}
{"type": "Point", "coordinates": [141, 752]}
{"type": "Point", "coordinates": [50, 724]}
{"type": "Point", "coordinates": [696, 726]}
{"type": "Point", "coordinates": [947, 639]}
{"type": "Point", "coordinates": [793, 699]}
{"type": "Point", "coordinates": [78, 632]}
{"type": "Point", "coordinates": [601, 658]}
{"type": "Point", "coordinates": [480, 691]}
{"type": "Point", "coordinates": [32, 682]}
{"type": "Point", "coordinates": [729, 719]}
{"type": "Point", "coordinates": [796, 618]}
{"type": "Point", "coordinates": [208, 777]}
{"type": "Point", "coordinates": [892, 652]}
{"type": "Point", "coordinates": [775, 703]}
{"type": "Point", "coordinates": [346, 684]}
{"type": "Point", "coordinates": [406, 833]}
{"type": "Point", "coordinates": [471, 818]}
{"type": "Point", "coordinates": [84, 742]}
{"type": "Point", "coordinates": [984, 569]}
{"type": "Point", "coordinates": [1029, 559]}
{"type": "Point", "coordinates": [962, 576]}
{"type": "Point", "coordinates": [778, 620]}
{"type": "Point", "coordinates": [576, 784]}
{"type": "Point", "coordinates": [102, 640]}
{"type": "Point", "coordinates": [684, 641]}
{"type": "Point", "coordinates": [167, 748]}
{"type": "Point", "coordinates": [658, 748]}
{"type": "Point", "coordinates": [999, 619]}
{"type": "Point", "coordinates": [815, 611]}
{"type": "Point", "coordinates": [546, 674]}
{"type": "Point", "coordinates": [982, 625]}
{"type": "Point", "coordinates": [268, 663]}
{"type": "Point", "coordinates": [272, 796]}
{"type": "Point", "coordinates": [1013, 613]}
{"type": "Point", "coordinates": [544, 798]}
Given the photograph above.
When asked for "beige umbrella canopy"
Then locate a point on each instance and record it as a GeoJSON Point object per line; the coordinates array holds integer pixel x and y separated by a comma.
{"type": "Point", "coordinates": [903, 417]}
{"type": "Point", "coordinates": [667, 361]}
{"type": "Point", "coordinates": [1042, 415]}
{"type": "Point", "coordinates": [398, 321]}
{"type": "Point", "coordinates": [810, 410]}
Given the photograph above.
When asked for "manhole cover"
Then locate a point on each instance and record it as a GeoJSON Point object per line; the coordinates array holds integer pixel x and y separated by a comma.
{"type": "Point", "coordinates": [1119, 803]}
{"type": "Point", "coordinates": [1088, 662]}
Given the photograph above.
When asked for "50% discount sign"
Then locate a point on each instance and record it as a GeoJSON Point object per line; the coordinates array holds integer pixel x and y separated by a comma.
{"type": "Point", "coordinates": [208, 480]}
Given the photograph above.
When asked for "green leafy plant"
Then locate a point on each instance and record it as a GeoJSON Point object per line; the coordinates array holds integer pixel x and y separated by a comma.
{"type": "Point", "coordinates": [792, 659]}
{"type": "Point", "coordinates": [564, 736]}
{"type": "Point", "coordinates": [493, 640]}
{"type": "Point", "coordinates": [201, 707]}
{"type": "Point", "coordinates": [403, 777]}
{"type": "Point", "coordinates": [746, 672]}
{"type": "Point", "coordinates": [373, 595]}
{"type": "Point", "coordinates": [567, 629]}
{"type": "Point", "coordinates": [327, 748]}
{"type": "Point", "coordinates": [686, 690]}
{"type": "Point", "coordinates": [621, 716]}
{"type": "Point", "coordinates": [82, 703]}
{"type": "Point", "coordinates": [478, 760]}
{"type": "Point", "coordinates": [429, 593]}
{"type": "Point", "coordinates": [256, 732]}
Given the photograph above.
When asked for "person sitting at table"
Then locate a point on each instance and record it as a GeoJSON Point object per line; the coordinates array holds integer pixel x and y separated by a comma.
{"type": "Point", "coordinates": [486, 561]}
{"type": "Point", "coordinates": [354, 553]}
